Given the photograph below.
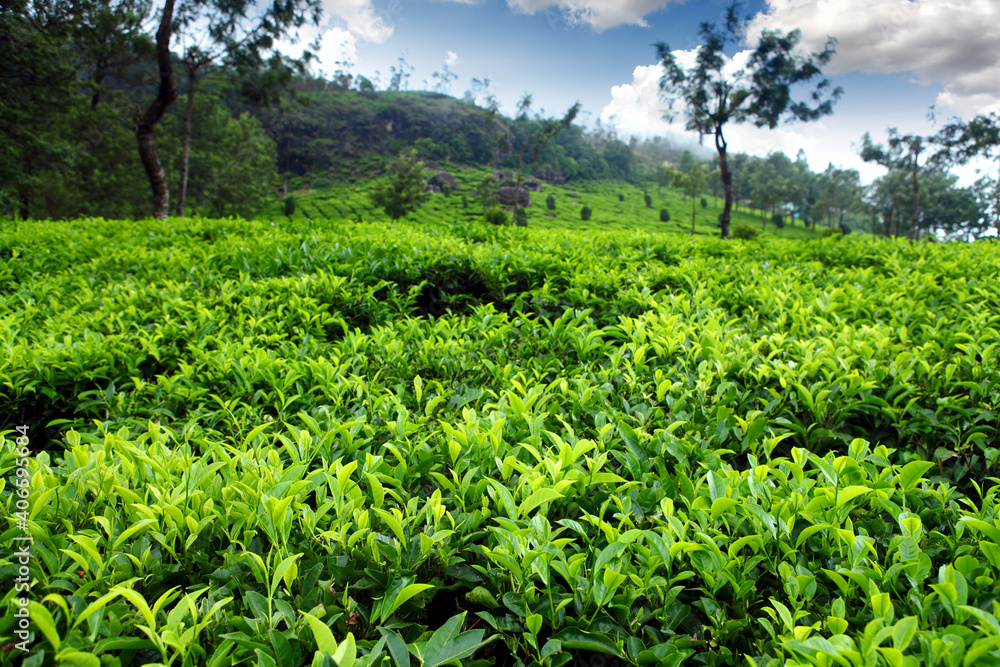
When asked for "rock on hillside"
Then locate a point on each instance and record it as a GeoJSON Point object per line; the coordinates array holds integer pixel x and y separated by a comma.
{"type": "Point", "coordinates": [508, 196]}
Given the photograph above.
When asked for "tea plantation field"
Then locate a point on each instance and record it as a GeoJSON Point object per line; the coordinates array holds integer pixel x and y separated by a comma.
{"type": "Point", "coordinates": [371, 445]}
{"type": "Point", "coordinates": [615, 206]}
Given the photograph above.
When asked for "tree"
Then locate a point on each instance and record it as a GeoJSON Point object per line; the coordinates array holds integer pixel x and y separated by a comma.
{"type": "Point", "coordinates": [109, 38]}
{"type": "Point", "coordinates": [406, 189]}
{"type": "Point", "coordinates": [537, 139]}
{"type": "Point", "coordinates": [146, 122]}
{"type": "Point", "coordinates": [486, 192]}
{"type": "Point", "coordinates": [399, 75]}
{"type": "Point", "coordinates": [691, 181]}
{"type": "Point", "coordinates": [837, 192]}
{"type": "Point", "coordinates": [243, 41]}
{"type": "Point", "coordinates": [760, 94]}
{"type": "Point", "coordinates": [801, 189]}
{"type": "Point", "coordinates": [231, 163]}
{"type": "Point", "coordinates": [886, 194]}
{"type": "Point", "coordinates": [948, 210]}
{"type": "Point", "coordinates": [35, 68]}
{"type": "Point", "coordinates": [443, 80]}
{"type": "Point", "coordinates": [901, 153]}
{"type": "Point", "coordinates": [961, 141]}
{"type": "Point", "coordinates": [662, 176]}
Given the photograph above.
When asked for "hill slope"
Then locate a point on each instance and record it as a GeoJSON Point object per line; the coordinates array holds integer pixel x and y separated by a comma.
{"type": "Point", "coordinates": [609, 212]}
{"type": "Point", "coordinates": [347, 134]}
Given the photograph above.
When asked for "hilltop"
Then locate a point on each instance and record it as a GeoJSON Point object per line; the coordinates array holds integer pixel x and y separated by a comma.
{"type": "Point", "coordinates": [344, 135]}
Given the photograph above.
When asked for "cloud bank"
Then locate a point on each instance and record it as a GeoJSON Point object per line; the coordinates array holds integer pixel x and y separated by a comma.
{"type": "Point", "coordinates": [955, 43]}
{"type": "Point", "coordinates": [598, 14]}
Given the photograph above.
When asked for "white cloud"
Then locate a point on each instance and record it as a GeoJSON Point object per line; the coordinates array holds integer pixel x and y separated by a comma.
{"type": "Point", "coordinates": [598, 14]}
{"type": "Point", "coordinates": [337, 45]}
{"type": "Point", "coordinates": [361, 19]}
{"type": "Point", "coordinates": [349, 26]}
{"type": "Point", "coordinates": [955, 43]}
{"type": "Point", "coordinates": [452, 59]}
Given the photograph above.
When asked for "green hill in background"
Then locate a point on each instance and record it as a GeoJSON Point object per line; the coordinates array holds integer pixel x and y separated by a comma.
{"type": "Point", "coordinates": [345, 134]}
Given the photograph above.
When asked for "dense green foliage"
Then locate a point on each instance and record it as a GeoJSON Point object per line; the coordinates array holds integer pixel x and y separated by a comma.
{"type": "Point", "coordinates": [405, 189]}
{"type": "Point", "coordinates": [260, 442]}
{"type": "Point", "coordinates": [76, 77]}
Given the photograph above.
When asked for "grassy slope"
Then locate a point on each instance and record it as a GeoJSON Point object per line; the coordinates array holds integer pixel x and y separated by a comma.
{"type": "Point", "coordinates": [608, 213]}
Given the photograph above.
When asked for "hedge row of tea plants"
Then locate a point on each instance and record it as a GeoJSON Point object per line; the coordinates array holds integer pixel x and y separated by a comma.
{"type": "Point", "coordinates": [396, 446]}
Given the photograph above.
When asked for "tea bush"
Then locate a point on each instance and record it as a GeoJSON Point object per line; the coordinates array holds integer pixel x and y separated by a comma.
{"type": "Point", "coordinates": [495, 215]}
{"type": "Point", "coordinates": [325, 443]}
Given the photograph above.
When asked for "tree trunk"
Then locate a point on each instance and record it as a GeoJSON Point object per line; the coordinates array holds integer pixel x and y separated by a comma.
{"type": "Point", "coordinates": [146, 123]}
{"type": "Point", "coordinates": [692, 214]}
{"type": "Point", "coordinates": [192, 72]}
{"type": "Point", "coordinates": [727, 182]}
{"type": "Point", "coordinates": [888, 225]}
{"type": "Point", "coordinates": [915, 217]}
{"type": "Point", "coordinates": [996, 206]}
{"type": "Point", "coordinates": [517, 186]}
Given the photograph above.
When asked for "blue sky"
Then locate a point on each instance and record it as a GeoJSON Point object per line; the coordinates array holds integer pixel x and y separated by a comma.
{"type": "Point", "coordinates": [895, 59]}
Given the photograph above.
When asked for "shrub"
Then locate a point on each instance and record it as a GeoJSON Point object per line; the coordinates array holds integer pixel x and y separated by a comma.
{"type": "Point", "coordinates": [745, 232]}
{"type": "Point", "coordinates": [289, 205]}
{"type": "Point", "coordinates": [521, 217]}
{"type": "Point", "coordinates": [585, 213]}
{"type": "Point", "coordinates": [446, 189]}
{"type": "Point", "coordinates": [664, 215]}
{"type": "Point", "coordinates": [321, 184]}
{"type": "Point", "coordinates": [621, 197]}
{"type": "Point", "coordinates": [406, 188]}
{"type": "Point", "coordinates": [778, 220]}
{"type": "Point", "coordinates": [704, 203]}
{"type": "Point", "coordinates": [550, 202]}
{"type": "Point", "coordinates": [831, 231]}
{"type": "Point", "coordinates": [649, 201]}
{"type": "Point", "coordinates": [465, 201]}
{"type": "Point", "coordinates": [486, 192]}
{"type": "Point", "coordinates": [495, 216]}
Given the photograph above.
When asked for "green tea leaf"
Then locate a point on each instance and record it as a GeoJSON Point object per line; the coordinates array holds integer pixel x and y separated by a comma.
{"type": "Point", "coordinates": [397, 647]}
{"type": "Point", "coordinates": [538, 498]}
{"type": "Point", "coordinates": [41, 617]}
{"type": "Point", "coordinates": [321, 633]}
{"type": "Point", "coordinates": [587, 641]}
